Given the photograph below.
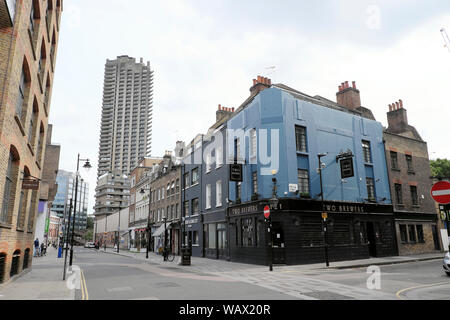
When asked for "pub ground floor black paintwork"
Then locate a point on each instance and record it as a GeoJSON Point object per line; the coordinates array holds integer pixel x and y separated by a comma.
{"type": "Point", "coordinates": [240, 233]}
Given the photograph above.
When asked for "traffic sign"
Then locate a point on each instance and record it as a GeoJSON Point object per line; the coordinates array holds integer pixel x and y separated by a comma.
{"type": "Point", "coordinates": [441, 192]}
{"type": "Point", "coordinates": [266, 212]}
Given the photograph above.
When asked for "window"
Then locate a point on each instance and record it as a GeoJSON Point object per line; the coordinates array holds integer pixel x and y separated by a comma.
{"type": "Point", "coordinates": [253, 143]}
{"type": "Point", "coordinates": [366, 151]}
{"type": "Point", "coordinates": [212, 236]}
{"type": "Point", "coordinates": [177, 211]}
{"type": "Point", "coordinates": [186, 208]}
{"type": "Point", "coordinates": [303, 181]}
{"type": "Point", "coordinates": [218, 193]}
{"type": "Point", "coordinates": [398, 193]}
{"type": "Point", "coordinates": [420, 237]}
{"type": "Point", "coordinates": [195, 176]}
{"type": "Point", "coordinates": [162, 193]}
{"type": "Point", "coordinates": [21, 95]}
{"type": "Point", "coordinates": [32, 17]}
{"type": "Point", "coordinates": [195, 206]}
{"type": "Point", "coordinates": [219, 155]}
{"type": "Point", "coordinates": [403, 233]}
{"type": "Point", "coordinates": [177, 186]}
{"type": "Point", "coordinates": [208, 163]}
{"type": "Point", "coordinates": [255, 182]}
{"type": "Point", "coordinates": [370, 189]}
{"type": "Point", "coordinates": [195, 238]}
{"type": "Point", "coordinates": [409, 163]}
{"type": "Point", "coordinates": [237, 148]}
{"type": "Point", "coordinates": [208, 196]}
{"type": "Point", "coordinates": [186, 180]}
{"type": "Point", "coordinates": [412, 233]}
{"type": "Point", "coordinates": [9, 189]}
{"type": "Point", "coordinates": [247, 234]}
{"type": "Point", "coordinates": [414, 196]}
{"type": "Point", "coordinates": [394, 160]}
{"type": "Point", "coordinates": [300, 138]}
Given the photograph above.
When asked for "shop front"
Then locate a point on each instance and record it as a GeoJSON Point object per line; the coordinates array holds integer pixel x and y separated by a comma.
{"type": "Point", "coordinates": [353, 231]}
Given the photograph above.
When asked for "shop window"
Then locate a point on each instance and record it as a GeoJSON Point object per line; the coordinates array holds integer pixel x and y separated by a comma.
{"type": "Point", "coordinates": [420, 237]}
{"type": "Point", "coordinates": [221, 236]}
{"type": "Point", "coordinates": [247, 233]}
{"type": "Point", "coordinates": [412, 233]}
{"type": "Point", "coordinates": [403, 233]}
{"type": "Point", "coordinates": [211, 236]}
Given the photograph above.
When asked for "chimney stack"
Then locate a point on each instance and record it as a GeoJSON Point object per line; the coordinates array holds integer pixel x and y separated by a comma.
{"type": "Point", "coordinates": [347, 96]}
{"type": "Point", "coordinates": [260, 84]}
{"type": "Point", "coordinates": [223, 112]}
{"type": "Point", "coordinates": [397, 118]}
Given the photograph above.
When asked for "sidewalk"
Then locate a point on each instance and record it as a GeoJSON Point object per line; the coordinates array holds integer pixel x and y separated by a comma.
{"type": "Point", "coordinates": [42, 282]}
{"type": "Point", "coordinates": [206, 265]}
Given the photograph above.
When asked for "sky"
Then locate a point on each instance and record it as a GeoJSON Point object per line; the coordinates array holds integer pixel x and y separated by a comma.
{"type": "Point", "coordinates": [205, 53]}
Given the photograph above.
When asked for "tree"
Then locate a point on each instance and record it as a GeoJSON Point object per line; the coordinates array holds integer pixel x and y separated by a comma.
{"type": "Point", "coordinates": [440, 168]}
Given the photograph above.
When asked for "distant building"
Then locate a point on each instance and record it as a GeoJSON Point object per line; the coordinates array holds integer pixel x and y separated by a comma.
{"type": "Point", "coordinates": [29, 35]}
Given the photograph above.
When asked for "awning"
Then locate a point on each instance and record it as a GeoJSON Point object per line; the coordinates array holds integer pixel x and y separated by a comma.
{"type": "Point", "coordinates": [160, 230]}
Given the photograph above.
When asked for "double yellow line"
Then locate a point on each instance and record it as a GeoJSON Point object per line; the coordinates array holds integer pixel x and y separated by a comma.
{"type": "Point", "coordinates": [398, 294]}
{"type": "Point", "coordinates": [84, 290]}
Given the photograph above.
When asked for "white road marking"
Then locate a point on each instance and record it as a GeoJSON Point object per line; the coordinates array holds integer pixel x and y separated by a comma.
{"type": "Point", "coordinates": [441, 192]}
{"type": "Point", "coordinates": [120, 289]}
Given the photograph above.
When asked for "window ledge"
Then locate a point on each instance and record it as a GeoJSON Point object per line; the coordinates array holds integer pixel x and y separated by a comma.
{"type": "Point", "coordinates": [20, 229]}
{"type": "Point", "coordinates": [395, 169]}
{"type": "Point", "coordinates": [411, 172]}
{"type": "Point", "coordinates": [5, 225]}
{"type": "Point", "coordinates": [30, 148]}
{"type": "Point", "coordinates": [303, 153]}
{"type": "Point", "coordinates": [370, 164]}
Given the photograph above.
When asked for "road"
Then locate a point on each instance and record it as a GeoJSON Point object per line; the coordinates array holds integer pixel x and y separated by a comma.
{"type": "Point", "coordinates": [109, 277]}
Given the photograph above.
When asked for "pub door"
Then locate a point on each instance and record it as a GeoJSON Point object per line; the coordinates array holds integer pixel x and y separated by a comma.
{"type": "Point", "coordinates": [278, 243]}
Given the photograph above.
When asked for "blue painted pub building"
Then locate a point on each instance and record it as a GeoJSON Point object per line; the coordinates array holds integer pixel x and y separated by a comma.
{"type": "Point", "coordinates": [278, 134]}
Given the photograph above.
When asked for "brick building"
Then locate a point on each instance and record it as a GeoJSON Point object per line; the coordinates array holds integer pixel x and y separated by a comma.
{"type": "Point", "coordinates": [407, 157]}
{"type": "Point", "coordinates": [29, 32]}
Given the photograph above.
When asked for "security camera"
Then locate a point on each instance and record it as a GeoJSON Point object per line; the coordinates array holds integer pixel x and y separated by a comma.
{"type": "Point", "coordinates": [323, 165]}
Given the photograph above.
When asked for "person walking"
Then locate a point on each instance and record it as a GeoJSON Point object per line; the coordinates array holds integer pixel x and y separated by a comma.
{"type": "Point", "coordinates": [36, 247]}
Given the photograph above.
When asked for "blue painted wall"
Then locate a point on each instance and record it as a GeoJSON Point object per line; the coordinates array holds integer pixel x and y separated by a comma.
{"type": "Point", "coordinates": [327, 130]}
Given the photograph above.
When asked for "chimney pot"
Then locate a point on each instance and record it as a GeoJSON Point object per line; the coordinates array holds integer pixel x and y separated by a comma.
{"type": "Point", "coordinates": [390, 107]}
{"type": "Point", "coordinates": [269, 82]}
{"type": "Point", "coordinates": [401, 104]}
{"type": "Point", "coordinates": [346, 84]}
{"type": "Point", "coordinates": [354, 85]}
{"type": "Point", "coordinates": [397, 105]}
{"type": "Point", "coordinates": [232, 109]}
{"type": "Point", "coordinates": [255, 82]}
{"type": "Point", "coordinates": [259, 79]}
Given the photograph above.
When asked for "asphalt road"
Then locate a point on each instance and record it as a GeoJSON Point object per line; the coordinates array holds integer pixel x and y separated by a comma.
{"type": "Point", "coordinates": [110, 277]}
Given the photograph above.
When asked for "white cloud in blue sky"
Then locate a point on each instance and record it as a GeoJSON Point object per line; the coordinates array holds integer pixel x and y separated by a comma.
{"type": "Point", "coordinates": [206, 53]}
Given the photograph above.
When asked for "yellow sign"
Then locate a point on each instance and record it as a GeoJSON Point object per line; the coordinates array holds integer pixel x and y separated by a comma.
{"type": "Point", "coordinates": [324, 215]}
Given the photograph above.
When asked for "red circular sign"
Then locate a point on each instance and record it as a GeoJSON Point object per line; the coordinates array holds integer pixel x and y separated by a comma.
{"type": "Point", "coordinates": [266, 212]}
{"type": "Point", "coordinates": [441, 192]}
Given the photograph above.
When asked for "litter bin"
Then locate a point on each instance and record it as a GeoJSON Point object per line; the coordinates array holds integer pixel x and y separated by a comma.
{"type": "Point", "coordinates": [185, 256]}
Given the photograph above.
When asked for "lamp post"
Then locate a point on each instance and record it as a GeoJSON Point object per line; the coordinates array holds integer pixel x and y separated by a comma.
{"type": "Point", "coordinates": [324, 215]}
{"type": "Point", "coordinates": [165, 239]}
{"type": "Point", "coordinates": [274, 205]}
{"type": "Point", "coordinates": [66, 239]}
{"type": "Point", "coordinates": [148, 219]}
{"type": "Point", "coordinates": [87, 166]}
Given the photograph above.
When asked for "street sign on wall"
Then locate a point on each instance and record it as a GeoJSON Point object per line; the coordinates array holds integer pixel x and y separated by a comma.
{"type": "Point", "coordinates": [441, 192]}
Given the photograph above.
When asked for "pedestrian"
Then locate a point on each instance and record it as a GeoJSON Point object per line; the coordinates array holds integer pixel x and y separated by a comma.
{"type": "Point", "coordinates": [36, 247]}
{"type": "Point", "coordinates": [43, 249]}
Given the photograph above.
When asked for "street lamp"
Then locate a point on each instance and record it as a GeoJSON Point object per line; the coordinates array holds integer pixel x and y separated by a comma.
{"type": "Point", "coordinates": [87, 166]}
{"type": "Point", "coordinates": [165, 240]}
{"type": "Point", "coordinates": [324, 215]}
{"type": "Point", "coordinates": [148, 218]}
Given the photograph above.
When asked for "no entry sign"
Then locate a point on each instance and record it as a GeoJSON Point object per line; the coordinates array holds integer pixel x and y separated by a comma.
{"type": "Point", "coordinates": [441, 192]}
{"type": "Point", "coordinates": [266, 212]}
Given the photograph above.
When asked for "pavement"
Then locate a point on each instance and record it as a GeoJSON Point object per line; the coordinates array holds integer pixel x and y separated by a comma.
{"type": "Point", "coordinates": [43, 281]}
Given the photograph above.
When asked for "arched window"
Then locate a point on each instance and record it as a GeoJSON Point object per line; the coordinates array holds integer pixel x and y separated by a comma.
{"type": "Point", "coordinates": [23, 202]}
{"type": "Point", "coordinates": [23, 91]}
{"type": "Point", "coordinates": [42, 60]}
{"type": "Point", "coordinates": [40, 147]}
{"type": "Point", "coordinates": [2, 266]}
{"type": "Point", "coordinates": [33, 124]}
{"type": "Point", "coordinates": [9, 191]}
{"type": "Point", "coordinates": [15, 263]}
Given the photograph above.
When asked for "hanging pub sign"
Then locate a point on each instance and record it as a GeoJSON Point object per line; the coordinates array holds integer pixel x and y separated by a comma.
{"type": "Point", "coordinates": [30, 184]}
{"type": "Point", "coordinates": [236, 172]}
{"type": "Point", "coordinates": [347, 168]}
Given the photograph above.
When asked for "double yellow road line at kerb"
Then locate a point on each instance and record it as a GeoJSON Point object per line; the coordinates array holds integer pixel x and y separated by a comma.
{"type": "Point", "coordinates": [84, 290]}
{"type": "Point", "coordinates": [399, 293]}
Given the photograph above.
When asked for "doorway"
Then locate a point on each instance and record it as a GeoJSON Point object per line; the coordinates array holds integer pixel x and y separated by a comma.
{"type": "Point", "coordinates": [435, 237]}
{"type": "Point", "coordinates": [278, 243]}
{"type": "Point", "coordinates": [371, 238]}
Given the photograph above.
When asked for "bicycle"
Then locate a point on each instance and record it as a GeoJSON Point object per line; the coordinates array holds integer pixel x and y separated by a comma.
{"type": "Point", "coordinates": [168, 255]}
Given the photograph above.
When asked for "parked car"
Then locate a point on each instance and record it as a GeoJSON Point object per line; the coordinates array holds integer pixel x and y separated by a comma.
{"type": "Point", "coordinates": [89, 245]}
{"type": "Point", "coordinates": [447, 263]}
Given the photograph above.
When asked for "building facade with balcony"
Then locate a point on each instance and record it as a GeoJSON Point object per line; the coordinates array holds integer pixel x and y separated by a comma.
{"type": "Point", "coordinates": [29, 33]}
